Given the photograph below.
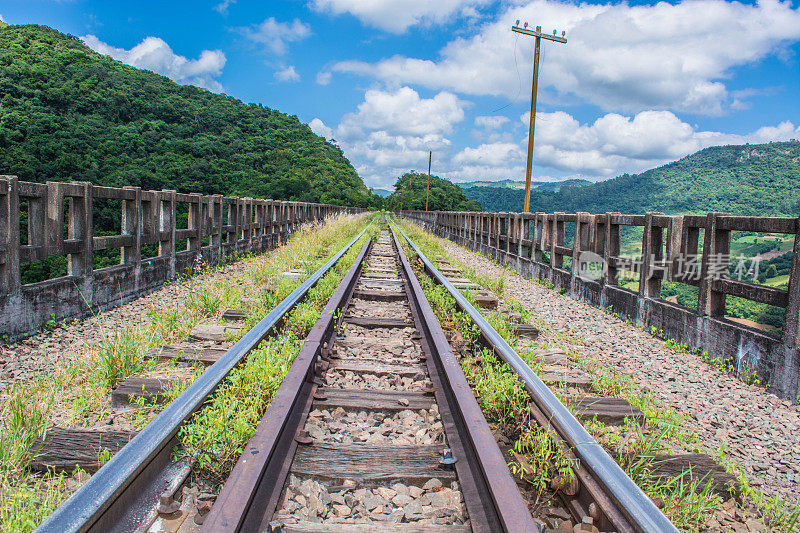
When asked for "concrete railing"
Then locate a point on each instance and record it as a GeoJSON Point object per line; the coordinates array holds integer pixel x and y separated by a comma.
{"type": "Point", "coordinates": [59, 222]}
{"type": "Point", "coordinates": [672, 249]}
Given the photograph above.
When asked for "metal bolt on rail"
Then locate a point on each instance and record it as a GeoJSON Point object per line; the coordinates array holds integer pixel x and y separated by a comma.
{"type": "Point", "coordinates": [447, 461]}
{"type": "Point", "coordinates": [167, 505]}
{"type": "Point", "coordinates": [203, 508]}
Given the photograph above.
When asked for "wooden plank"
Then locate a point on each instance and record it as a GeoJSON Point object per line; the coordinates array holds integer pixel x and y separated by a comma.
{"type": "Point", "coordinates": [370, 462]}
{"type": "Point", "coordinates": [526, 330]}
{"type": "Point", "coordinates": [61, 450]}
{"type": "Point", "coordinates": [151, 389]}
{"type": "Point", "coordinates": [210, 332]}
{"type": "Point", "coordinates": [377, 275]}
{"type": "Point", "coordinates": [374, 400]}
{"type": "Point", "coordinates": [486, 301]}
{"type": "Point", "coordinates": [567, 380]}
{"type": "Point", "coordinates": [379, 296]}
{"type": "Point", "coordinates": [362, 366]}
{"type": "Point", "coordinates": [378, 322]}
{"type": "Point", "coordinates": [313, 527]}
{"type": "Point", "coordinates": [610, 411]}
{"type": "Point", "coordinates": [233, 315]}
{"type": "Point", "coordinates": [380, 282]}
{"type": "Point", "coordinates": [701, 466]}
{"type": "Point", "coordinates": [207, 356]}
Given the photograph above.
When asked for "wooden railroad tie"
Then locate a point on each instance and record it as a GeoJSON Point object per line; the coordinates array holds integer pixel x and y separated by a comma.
{"type": "Point", "coordinates": [188, 354]}
{"type": "Point", "coordinates": [365, 463]}
{"type": "Point", "coordinates": [374, 400]}
{"type": "Point", "coordinates": [61, 450]}
{"type": "Point", "coordinates": [609, 411]}
{"type": "Point", "coordinates": [210, 332]}
{"type": "Point", "coordinates": [233, 315]}
{"type": "Point", "coordinates": [379, 296]}
{"type": "Point", "coordinates": [378, 322]}
{"type": "Point", "coordinates": [153, 390]}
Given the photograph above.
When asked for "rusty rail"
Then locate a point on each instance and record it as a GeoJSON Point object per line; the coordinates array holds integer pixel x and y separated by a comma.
{"type": "Point", "coordinates": [250, 496]}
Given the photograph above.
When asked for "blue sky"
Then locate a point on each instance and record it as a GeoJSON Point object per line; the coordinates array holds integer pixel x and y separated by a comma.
{"type": "Point", "coordinates": [637, 85]}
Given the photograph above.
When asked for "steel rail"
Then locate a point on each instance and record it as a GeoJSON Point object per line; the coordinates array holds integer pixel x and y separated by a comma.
{"type": "Point", "coordinates": [494, 500]}
{"type": "Point", "coordinates": [643, 514]}
{"type": "Point", "coordinates": [112, 498]}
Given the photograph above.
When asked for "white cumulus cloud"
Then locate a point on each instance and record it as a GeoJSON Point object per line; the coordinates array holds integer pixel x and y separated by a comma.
{"type": "Point", "coordinates": [287, 74]}
{"type": "Point", "coordinates": [274, 35]}
{"type": "Point", "coordinates": [618, 56]}
{"type": "Point", "coordinates": [392, 131]}
{"type": "Point", "coordinates": [396, 16]}
{"type": "Point", "coordinates": [491, 122]}
{"type": "Point", "coordinates": [155, 54]}
{"type": "Point", "coordinates": [614, 143]}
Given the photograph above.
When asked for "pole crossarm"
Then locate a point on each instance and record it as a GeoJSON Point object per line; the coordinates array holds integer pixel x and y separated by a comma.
{"type": "Point", "coordinates": [534, 33]}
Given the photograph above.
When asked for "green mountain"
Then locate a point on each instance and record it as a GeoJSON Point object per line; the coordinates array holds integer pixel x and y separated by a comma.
{"type": "Point", "coordinates": [750, 179]}
{"type": "Point", "coordinates": [538, 185]}
{"type": "Point", "coordinates": [411, 190]}
{"type": "Point", "coordinates": [69, 113]}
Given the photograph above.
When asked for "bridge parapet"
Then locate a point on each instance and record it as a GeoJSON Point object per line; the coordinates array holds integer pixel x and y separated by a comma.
{"type": "Point", "coordinates": [54, 219]}
{"type": "Point", "coordinates": [691, 250]}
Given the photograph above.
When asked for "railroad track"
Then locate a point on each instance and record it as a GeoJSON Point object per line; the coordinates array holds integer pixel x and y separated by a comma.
{"type": "Point", "coordinates": [384, 436]}
{"type": "Point", "coordinates": [374, 428]}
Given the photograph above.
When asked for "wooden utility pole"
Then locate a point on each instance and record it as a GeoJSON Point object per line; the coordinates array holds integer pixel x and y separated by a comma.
{"type": "Point", "coordinates": [539, 36]}
{"type": "Point", "coordinates": [428, 191]}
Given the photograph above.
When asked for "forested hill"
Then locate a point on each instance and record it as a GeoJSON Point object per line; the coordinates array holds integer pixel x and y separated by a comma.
{"type": "Point", "coordinates": [69, 113]}
{"type": "Point", "coordinates": [751, 179]}
{"type": "Point", "coordinates": [411, 192]}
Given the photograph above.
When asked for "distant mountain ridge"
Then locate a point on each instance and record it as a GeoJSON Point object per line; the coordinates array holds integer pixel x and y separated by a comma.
{"type": "Point", "coordinates": [750, 179]}
{"type": "Point", "coordinates": [69, 113]}
{"type": "Point", "coordinates": [539, 185]}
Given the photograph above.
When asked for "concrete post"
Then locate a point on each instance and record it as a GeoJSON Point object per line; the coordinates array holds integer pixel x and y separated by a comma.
{"type": "Point", "coordinates": [54, 220]}
{"type": "Point", "coordinates": [81, 265]}
{"type": "Point", "coordinates": [716, 256]}
{"type": "Point", "coordinates": [652, 246]}
{"type": "Point", "coordinates": [9, 234]}
{"type": "Point", "coordinates": [791, 323]}
{"type": "Point", "coordinates": [166, 219]}
{"type": "Point", "coordinates": [129, 222]}
{"type": "Point", "coordinates": [611, 250]}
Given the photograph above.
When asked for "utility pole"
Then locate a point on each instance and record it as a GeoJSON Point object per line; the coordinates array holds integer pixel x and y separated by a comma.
{"type": "Point", "coordinates": [428, 191]}
{"type": "Point", "coordinates": [539, 36]}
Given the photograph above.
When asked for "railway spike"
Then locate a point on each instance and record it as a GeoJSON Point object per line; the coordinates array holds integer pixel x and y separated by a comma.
{"type": "Point", "coordinates": [167, 505]}
{"type": "Point", "coordinates": [203, 508]}
{"type": "Point", "coordinates": [429, 388]}
{"type": "Point", "coordinates": [302, 437]}
{"type": "Point", "coordinates": [319, 394]}
{"type": "Point", "coordinates": [587, 525]}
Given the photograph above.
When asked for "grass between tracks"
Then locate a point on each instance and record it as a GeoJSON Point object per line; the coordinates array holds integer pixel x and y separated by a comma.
{"type": "Point", "coordinates": [75, 392]}
{"type": "Point", "coordinates": [688, 502]}
{"type": "Point", "coordinates": [217, 434]}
